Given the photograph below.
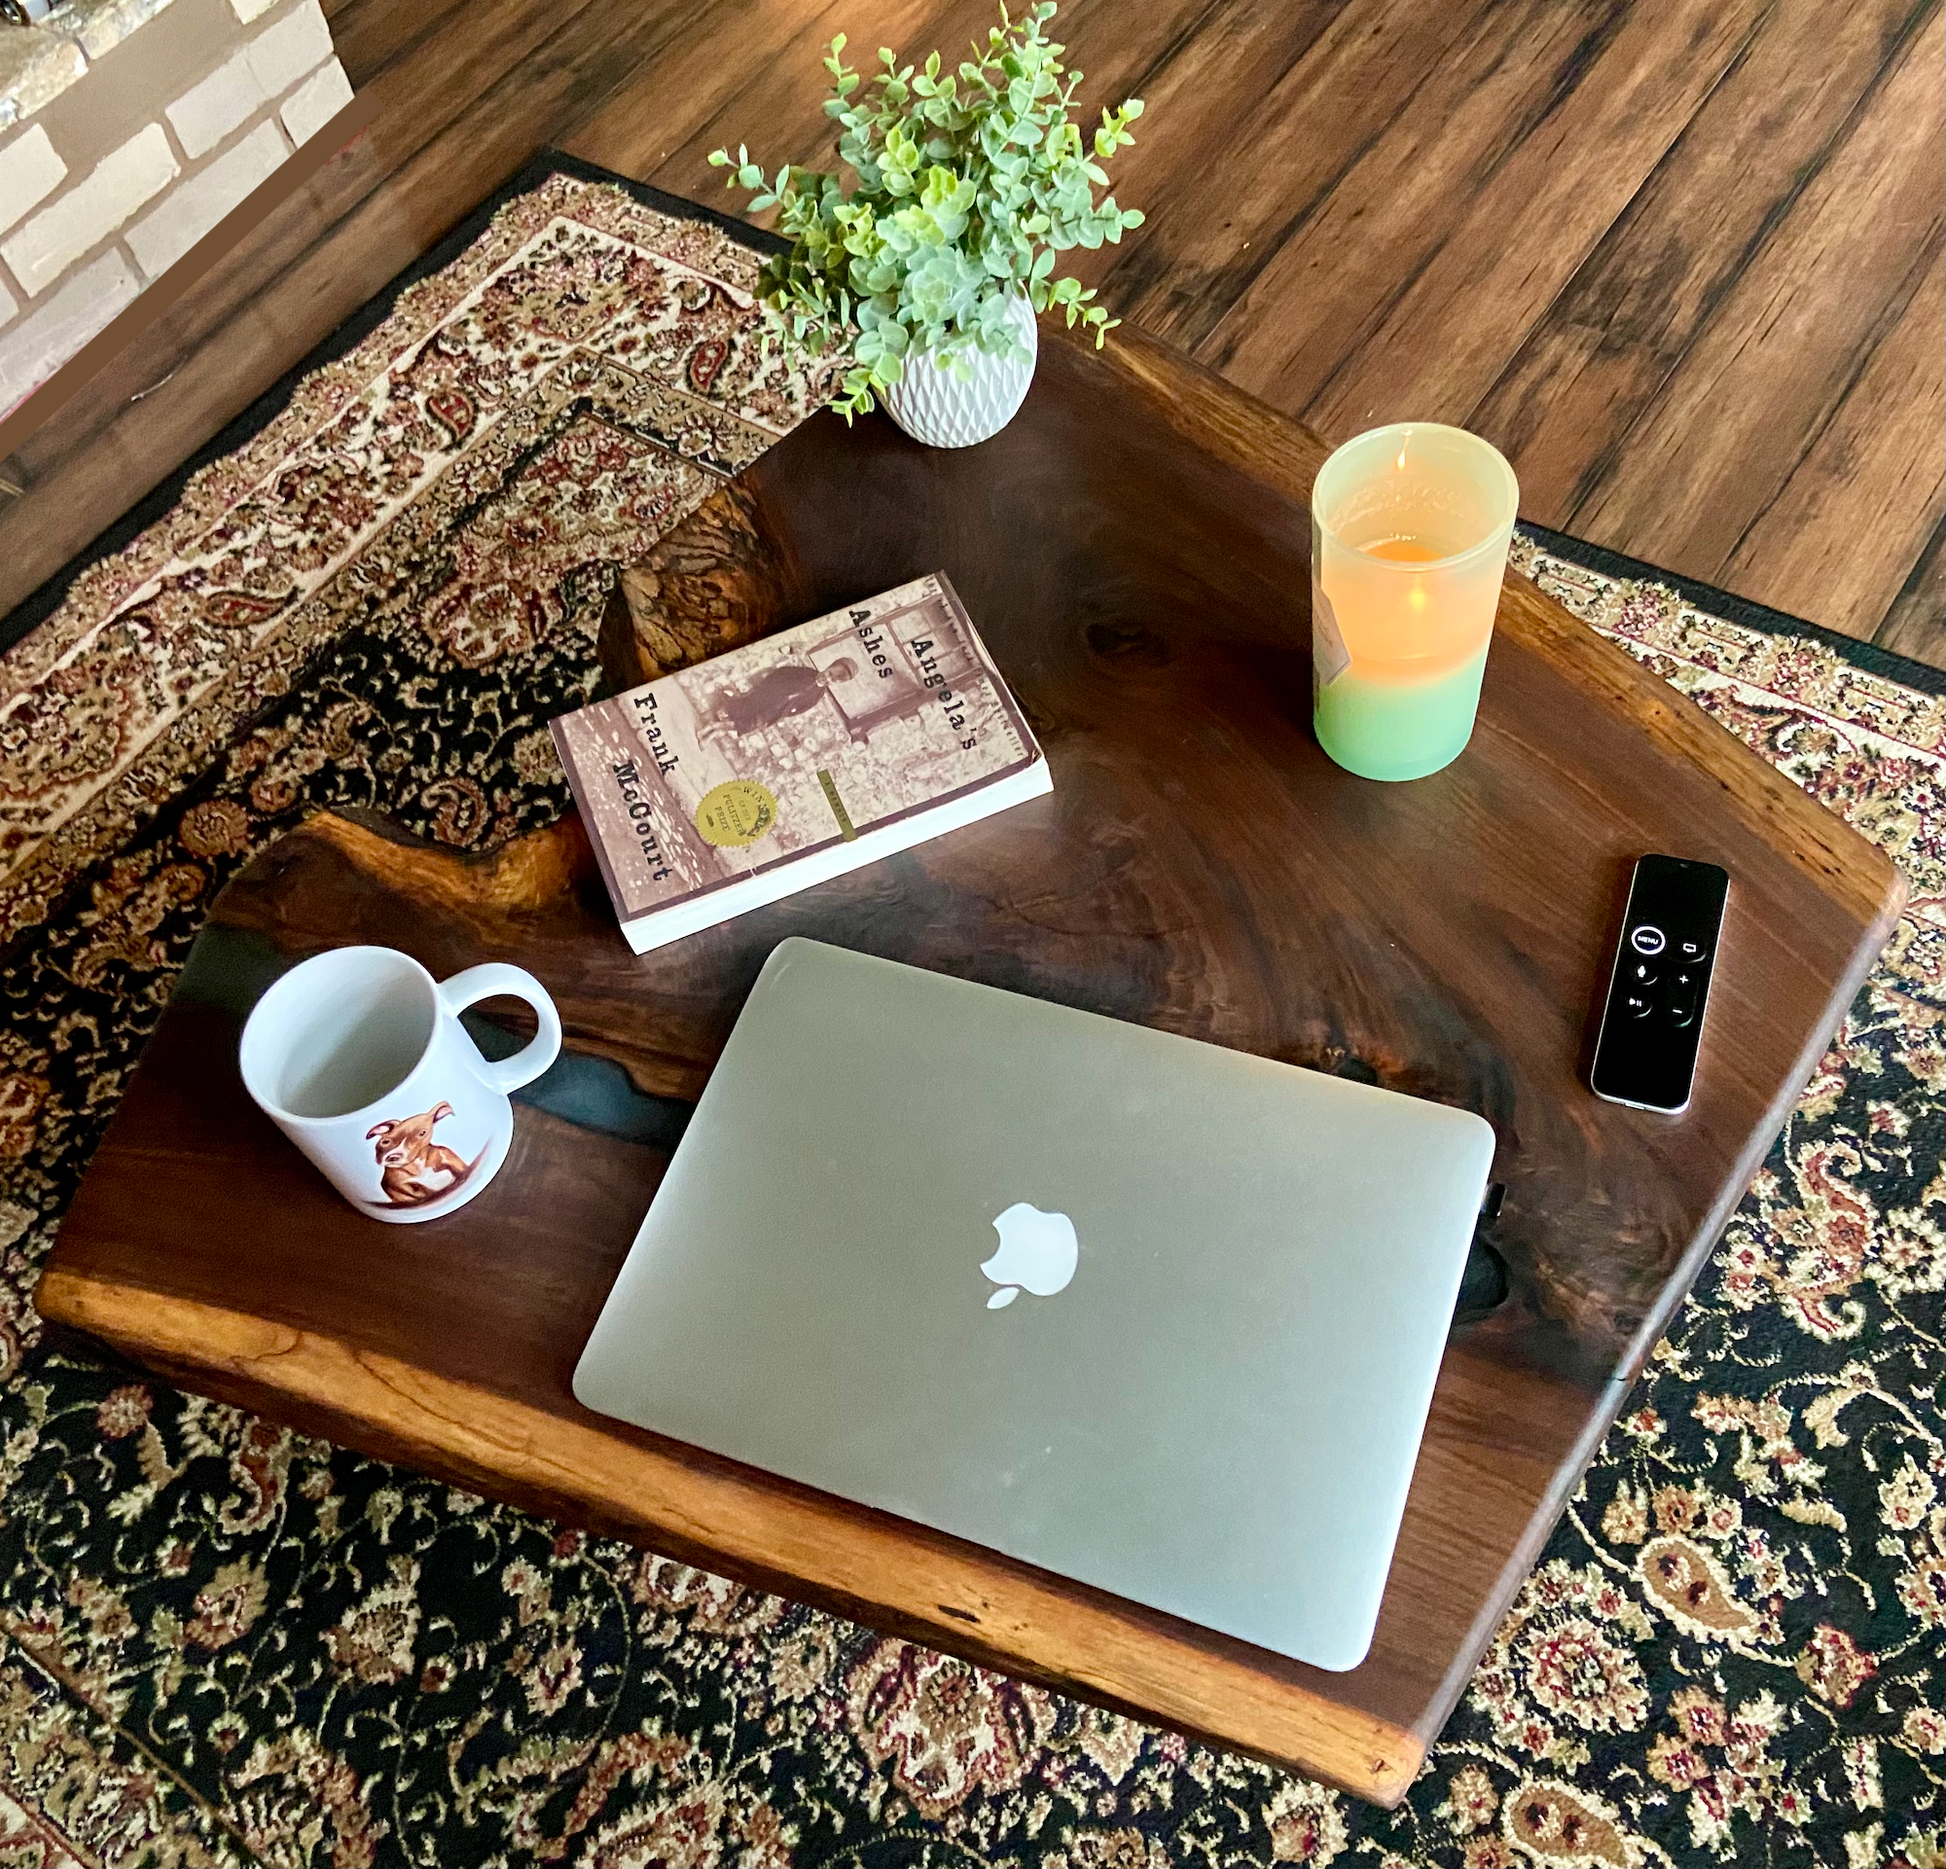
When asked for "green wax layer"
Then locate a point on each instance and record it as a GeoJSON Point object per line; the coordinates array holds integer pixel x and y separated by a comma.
{"type": "Point", "coordinates": [1398, 729]}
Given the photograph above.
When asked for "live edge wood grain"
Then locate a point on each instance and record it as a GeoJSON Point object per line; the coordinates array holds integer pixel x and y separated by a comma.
{"type": "Point", "coordinates": [1135, 548]}
{"type": "Point", "coordinates": [875, 1569]}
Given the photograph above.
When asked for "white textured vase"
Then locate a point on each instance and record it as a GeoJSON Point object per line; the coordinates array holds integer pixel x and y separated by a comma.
{"type": "Point", "coordinates": [935, 406]}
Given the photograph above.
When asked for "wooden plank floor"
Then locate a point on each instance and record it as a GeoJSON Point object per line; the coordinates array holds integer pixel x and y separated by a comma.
{"type": "Point", "coordinates": [1681, 259]}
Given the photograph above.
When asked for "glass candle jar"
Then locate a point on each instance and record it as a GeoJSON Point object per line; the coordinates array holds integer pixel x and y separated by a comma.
{"type": "Point", "coordinates": [1409, 533]}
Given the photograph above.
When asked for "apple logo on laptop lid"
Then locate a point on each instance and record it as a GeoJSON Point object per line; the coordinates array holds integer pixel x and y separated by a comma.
{"type": "Point", "coordinates": [1038, 1253]}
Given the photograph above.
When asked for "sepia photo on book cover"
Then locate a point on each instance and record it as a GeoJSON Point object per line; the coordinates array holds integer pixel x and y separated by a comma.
{"type": "Point", "coordinates": [807, 738]}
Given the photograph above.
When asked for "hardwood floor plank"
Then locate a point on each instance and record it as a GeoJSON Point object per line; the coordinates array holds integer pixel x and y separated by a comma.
{"type": "Point", "coordinates": [1727, 431]}
{"type": "Point", "coordinates": [1877, 470]}
{"type": "Point", "coordinates": [655, 111]}
{"type": "Point", "coordinates": [1314, 300]}
{"type": "Point", "coordinates": [371, 34]}
{"type": "Point", "coordinates": [1599, 353]}
{"type": "Point", "coordinates": [778, 109]}
{"type": "Point", "coordinates": [1248, 135]}
{"type": "Point", "coordinates": [1215, 69]}
{"type": "Point", "coordinates": [662, 124]}
{"type": "Point", "coordinates": [1406, 296]}
{"type": "Point", "coordinates": [1915, 622]}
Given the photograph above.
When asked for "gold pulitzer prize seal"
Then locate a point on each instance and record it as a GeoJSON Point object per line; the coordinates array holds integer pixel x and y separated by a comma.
{"type": "Point", "coordinates": [736, 813]}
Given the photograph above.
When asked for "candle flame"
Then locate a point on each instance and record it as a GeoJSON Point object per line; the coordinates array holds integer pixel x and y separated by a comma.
{"type": "Point", "coordinates": [1405, 441]}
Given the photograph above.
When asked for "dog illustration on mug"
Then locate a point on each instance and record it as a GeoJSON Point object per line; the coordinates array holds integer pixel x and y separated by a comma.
{"type": "Point", "coordinates": [411, 1163]}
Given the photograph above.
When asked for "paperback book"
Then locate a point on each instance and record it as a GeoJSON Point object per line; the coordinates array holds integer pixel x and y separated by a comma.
{"type": "Point", "coordinates": [792, 760]}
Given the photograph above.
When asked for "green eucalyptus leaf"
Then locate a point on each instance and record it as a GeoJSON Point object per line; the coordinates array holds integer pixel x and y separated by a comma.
{"type": "Point", "coordinates": [967, 183]}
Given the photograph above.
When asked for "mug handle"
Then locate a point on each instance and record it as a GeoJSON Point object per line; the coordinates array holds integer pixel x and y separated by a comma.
{"type": "Point", "coordinates": [484, 982]}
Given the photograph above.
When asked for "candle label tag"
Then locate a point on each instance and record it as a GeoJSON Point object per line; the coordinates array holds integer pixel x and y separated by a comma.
{"type": "Point", "coordinates": [1329, 656]}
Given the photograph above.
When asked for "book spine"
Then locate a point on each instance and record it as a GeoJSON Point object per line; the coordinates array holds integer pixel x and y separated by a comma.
{"type": "Point", "coordinates": [584, 804]}
{"type": "Point", "coordinates": [645, 933]}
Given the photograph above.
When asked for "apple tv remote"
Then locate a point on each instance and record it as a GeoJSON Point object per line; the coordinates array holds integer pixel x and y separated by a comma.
{"type": "Point", "coordinates": [1660, 988]}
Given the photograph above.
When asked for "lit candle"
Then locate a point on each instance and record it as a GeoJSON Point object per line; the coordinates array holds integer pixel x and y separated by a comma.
{"type": "Point", "coordinates": [1409, 533]}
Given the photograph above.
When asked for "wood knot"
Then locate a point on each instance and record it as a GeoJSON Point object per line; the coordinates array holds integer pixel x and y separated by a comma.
{"type": "Point", "coordinates": [1127, 642]}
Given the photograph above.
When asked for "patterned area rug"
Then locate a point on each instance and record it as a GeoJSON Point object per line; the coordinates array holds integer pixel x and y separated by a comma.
{"type": "Point", "coordinates": [221, 1643]}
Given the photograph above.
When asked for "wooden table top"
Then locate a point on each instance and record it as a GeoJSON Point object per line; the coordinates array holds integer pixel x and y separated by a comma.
{"type": "Point", "coordinates": [1135, 550]}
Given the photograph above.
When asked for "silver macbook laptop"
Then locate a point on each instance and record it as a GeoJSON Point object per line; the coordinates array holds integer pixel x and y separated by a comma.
{"type": "Point", "coordinates": [1158, 1316]}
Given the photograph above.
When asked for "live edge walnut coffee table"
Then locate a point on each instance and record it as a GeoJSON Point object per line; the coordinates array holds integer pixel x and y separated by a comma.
{"type": "Point", "coordinates": [1135, 550]}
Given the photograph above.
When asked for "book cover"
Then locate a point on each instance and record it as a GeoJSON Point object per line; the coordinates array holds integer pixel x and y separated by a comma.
{"type": "Point", "coordinates": [791, 747]}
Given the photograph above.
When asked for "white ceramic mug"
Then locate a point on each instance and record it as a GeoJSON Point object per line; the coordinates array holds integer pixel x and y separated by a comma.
{"type": "Point", "coordinates": [359, 1057]}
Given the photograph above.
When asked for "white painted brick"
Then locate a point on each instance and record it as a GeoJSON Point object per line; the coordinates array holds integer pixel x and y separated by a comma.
{"type": "Point", "coordinates": [8, 305]}
{"type": "Point", "coordinates": [29, 172]}
{"type": "Point", "coordinates": [92, 209]}
{"type": "Point", "coordinates": [31, 351]}
{"type": "Point", "coordinates": [166, 233]}
{"type": "Point", "coordinates": [206, 113]}
{"type": "Point", "coordinates": [247, 10]}
{"type": "Point", "coordinates": [299, 43]}
{"type": "Point", "coordinates": [316, 101]}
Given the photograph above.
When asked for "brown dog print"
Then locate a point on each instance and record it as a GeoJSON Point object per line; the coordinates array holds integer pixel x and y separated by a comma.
{"type": "Point", "coordinates": [411, 1162]}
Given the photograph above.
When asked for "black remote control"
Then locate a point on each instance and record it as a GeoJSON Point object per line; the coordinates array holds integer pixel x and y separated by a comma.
{"type": "Point", "coordinates": [1646, 1054]}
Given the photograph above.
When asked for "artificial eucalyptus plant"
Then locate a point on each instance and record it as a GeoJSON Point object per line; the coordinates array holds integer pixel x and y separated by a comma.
{"type": "Point", "coordinates": [969, 183]}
